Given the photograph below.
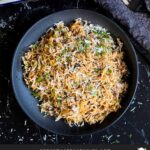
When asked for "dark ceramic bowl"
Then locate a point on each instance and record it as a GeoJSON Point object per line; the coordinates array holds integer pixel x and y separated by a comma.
{"type": "Point", "coordinates": [29, 104]}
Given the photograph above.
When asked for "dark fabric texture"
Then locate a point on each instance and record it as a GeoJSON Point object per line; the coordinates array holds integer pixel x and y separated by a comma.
{"type": "Point", "coordinates": [137, 24]}
{"type": "Point", "coordinates": [147, 2]}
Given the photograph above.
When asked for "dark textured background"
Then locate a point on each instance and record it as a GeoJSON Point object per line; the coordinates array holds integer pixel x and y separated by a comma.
{"type": "Point", "coordinates": [16, 127]}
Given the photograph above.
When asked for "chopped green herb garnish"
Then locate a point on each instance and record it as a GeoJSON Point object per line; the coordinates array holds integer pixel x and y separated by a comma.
{"type": "Point", "coordinates": [82, 45]}
{"type": "Point", "coordinates": [76, 84]}
{"type": "Point", "coordinates": [110, 49]}
{"type": "Point", "coordinates": [97, 70]}
{"type": "Point", "coordinates": [35, 64]}
{"type": "Point", "coordinates": [47, 76]}
{"type": "Point", "coordinates": [105, 34]}
{"type": "Point", "coordinates": [86, 45]}
{"type": "Point", "coordinates": [64, 51]}
{"type": "Point", "coordinates": [58, 58]}
{"type": "Point", "coordinates": [35, 94]}
{"type": "Point", "coordinates": [56, 34]}
{"type": "Point", "coordinates": [33, 46]}
{"type": "Point", "coordinates": [99, 50]}
{"type": "Point", "coordinates": [109, 71]}
{"type": "Point", "coordinates": [95, 31]}
{"type": "Point", "coordinates": [102, 33]}
{"type": "Point", "coordinates": [89, 87]}
{"type": "Point", "coordinates": [68, 59]}
{"type": "Point", "coordinates": [87, 41]}
{"type": "Point", "coordinates": [39, 79]}
{"type": "Point", "coordinates": [94, 93]}
{"type": "Point", "coordinates": [26, 65]}
{"type": "Point", "coordinates": [59, 100]}
{"type": "Point", "coordinates": [81, 49]}
{"type": "Point", "coordinates": [52, 94]}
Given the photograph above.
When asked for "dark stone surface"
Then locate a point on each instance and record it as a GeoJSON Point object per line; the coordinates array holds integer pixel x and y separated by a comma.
{"type": "Point", "coordinates": [16, 127]}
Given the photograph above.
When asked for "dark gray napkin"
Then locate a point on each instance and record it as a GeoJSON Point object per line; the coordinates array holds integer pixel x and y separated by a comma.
{"type": "Point", "coordinates": [137, 24]}
{"type": "Point", "coordinates": [148, 4]}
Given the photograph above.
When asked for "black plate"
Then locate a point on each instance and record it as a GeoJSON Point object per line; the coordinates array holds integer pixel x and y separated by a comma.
{"type": "Point", "coordinates": [29, 103]}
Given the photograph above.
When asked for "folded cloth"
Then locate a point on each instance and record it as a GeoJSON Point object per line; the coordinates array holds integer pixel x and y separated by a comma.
{"type": "Point", "coordinates": [138, 24]}
{"type": "Point", "coordinates": [147, 2]}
